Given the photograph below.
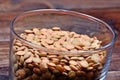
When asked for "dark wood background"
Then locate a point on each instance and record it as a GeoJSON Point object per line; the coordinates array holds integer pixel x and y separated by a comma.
{"type": "Point", "coordinates": [107, 10]}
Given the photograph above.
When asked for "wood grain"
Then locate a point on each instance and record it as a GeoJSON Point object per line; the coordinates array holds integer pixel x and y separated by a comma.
{"type": "Point", "coordinates": [20, 5]}
{"type": "Point", "coordinates": [107, 10]}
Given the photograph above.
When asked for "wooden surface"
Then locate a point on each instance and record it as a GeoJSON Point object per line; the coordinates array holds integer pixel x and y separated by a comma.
{"type": "Point", "coordinates": [107, 10]}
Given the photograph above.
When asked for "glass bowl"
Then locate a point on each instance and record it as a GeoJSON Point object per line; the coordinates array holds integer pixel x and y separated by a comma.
{"type": "Point", "coordinates": [90, 64]}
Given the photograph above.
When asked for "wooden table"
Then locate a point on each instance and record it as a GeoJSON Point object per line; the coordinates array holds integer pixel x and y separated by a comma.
{"type": "Point", "coordinates": [108, 11]}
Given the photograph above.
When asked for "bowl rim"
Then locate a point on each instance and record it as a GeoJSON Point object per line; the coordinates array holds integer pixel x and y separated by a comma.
{"type": "Point", "coordinates": [65, 11]}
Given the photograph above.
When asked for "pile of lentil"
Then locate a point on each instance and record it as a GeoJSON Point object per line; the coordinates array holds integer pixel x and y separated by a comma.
{"type": "Point", "coordinates": [33, 64]}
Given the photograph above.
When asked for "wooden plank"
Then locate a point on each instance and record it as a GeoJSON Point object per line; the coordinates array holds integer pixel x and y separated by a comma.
{"type": "Point", "coordinates": [18, 5]}
{"type": "Point", "coordinates": [108, 15]}
{"type": "Point", "coordinates": [4, 55]}
{"type": "Point", "coordinates": [113, 75]}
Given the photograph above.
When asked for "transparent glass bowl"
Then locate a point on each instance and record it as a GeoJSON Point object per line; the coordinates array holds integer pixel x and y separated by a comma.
{"type": "Point", "coordinates": [70, 21]}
